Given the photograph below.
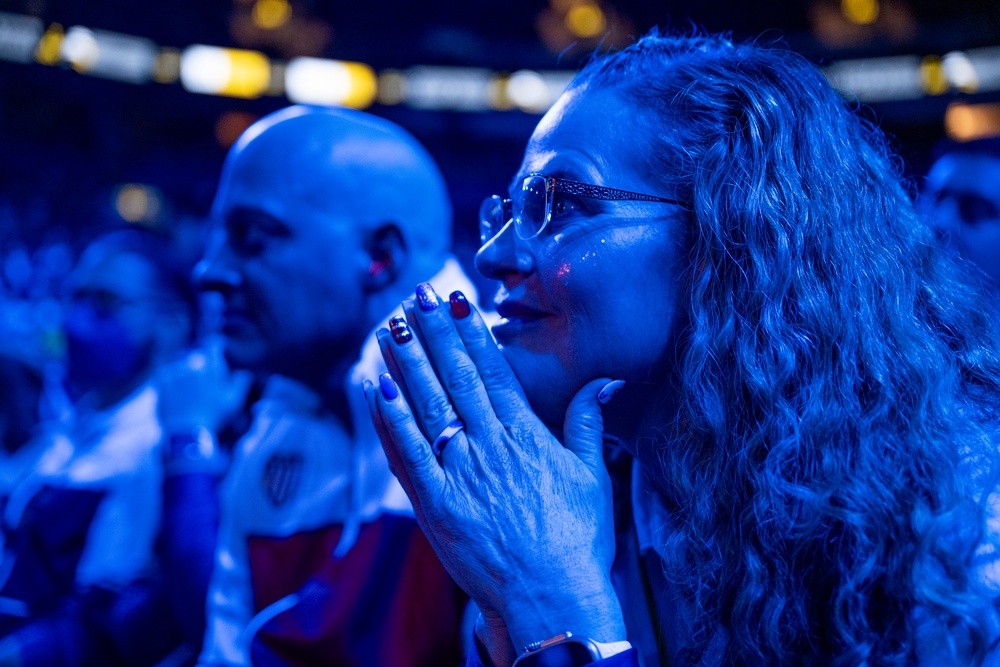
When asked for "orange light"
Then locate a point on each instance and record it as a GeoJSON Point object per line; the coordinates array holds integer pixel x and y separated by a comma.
{"type": "Point", "coordinates": [965, 122]}
{"type": "Point", "coordinates": [231, 125]}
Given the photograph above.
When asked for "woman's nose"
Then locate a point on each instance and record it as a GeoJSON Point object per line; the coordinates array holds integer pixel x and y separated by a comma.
{"type": "Point", "coordinates": [217, 270]}
{"type": "Point", "coordinates": [504, 256]}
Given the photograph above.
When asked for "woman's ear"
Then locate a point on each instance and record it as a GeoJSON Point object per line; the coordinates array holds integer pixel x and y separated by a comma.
{"type": "Point", "coordinates": [386, 255]}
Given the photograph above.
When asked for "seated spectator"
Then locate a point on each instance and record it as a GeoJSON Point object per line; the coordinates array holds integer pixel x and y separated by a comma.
{"type": "Point", "coordinates": [707, 262]}
{"type": "Point", "coordinates": [81, 521]}
{"type": "Point", "coordinates": [325, 218]}
{"type": "Point", "coordinates": [962, 195]}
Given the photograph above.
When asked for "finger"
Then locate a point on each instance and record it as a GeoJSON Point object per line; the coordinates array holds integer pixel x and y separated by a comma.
{"type": "Point", "coordinates": [396, 463]}
{"type": "Point", "coordinates": [426, 476]}
{"type": "Point", "coordinates": [455, 368]}
{"type": "Point", "coordinates": [384, 338]}
{"type": "Point", "coordinates": [431, 404]}
{"type": "Point", "coordinates": [382, 431]}
{"type": "Point", "coordinates": [583, 428]}
{"type": "Point", "coordinates": [502, 387]}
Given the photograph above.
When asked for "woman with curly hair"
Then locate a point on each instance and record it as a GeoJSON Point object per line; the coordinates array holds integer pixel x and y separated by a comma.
{"type": "Point", "coordinates": [810, 386]}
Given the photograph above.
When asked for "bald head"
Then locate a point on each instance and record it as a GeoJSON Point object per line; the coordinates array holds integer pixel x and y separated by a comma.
{"type": "Point", "coordinates": [352, 165]}
{"type": "Point", "coordinates": [325, 221]}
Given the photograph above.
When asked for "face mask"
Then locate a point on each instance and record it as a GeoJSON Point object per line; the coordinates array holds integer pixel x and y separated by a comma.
{"type": "Point", "coordinates": [100, 354]}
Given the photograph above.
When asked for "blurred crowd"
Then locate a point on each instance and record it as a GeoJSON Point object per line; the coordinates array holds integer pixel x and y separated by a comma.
{"type": "Point", "coordinates": [144, 402]}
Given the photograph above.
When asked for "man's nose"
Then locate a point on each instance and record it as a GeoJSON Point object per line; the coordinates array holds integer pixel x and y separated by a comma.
{"type": "Point", "coordinates": [217, 271]}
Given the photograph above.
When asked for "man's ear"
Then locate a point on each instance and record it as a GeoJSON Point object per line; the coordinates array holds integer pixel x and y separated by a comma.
{"type": "Point", "coordinates": [385, 253]}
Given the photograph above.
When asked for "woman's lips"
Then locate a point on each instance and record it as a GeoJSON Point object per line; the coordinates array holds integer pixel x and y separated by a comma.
{"type": "Point", "coordinates": [516, 310]}
{"type": "Point", "coordinates": [517, 317]}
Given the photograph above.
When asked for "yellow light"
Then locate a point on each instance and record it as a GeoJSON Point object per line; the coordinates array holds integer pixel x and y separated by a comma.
{"type": "Point", "coordinates": [330, 82]}
{"type": "Point", "coordinates": [965, 122]}
{"type": "Point", "coordinates": [585, 20]}
{"type": "Point", "coordinates": [251, 74]}
{"type": "Point", "coordinates": [271, 14]}
{"type": "Point", "coordinates": [233, 72]}
{"type": "Point", "coordinates": [861, 12]}
{"type": "Point", "coordinates": [50, 45]}
{"type": "Point", "coordinates": [137, 203]}
{"type": "Point", "coordinates": [933, 76]}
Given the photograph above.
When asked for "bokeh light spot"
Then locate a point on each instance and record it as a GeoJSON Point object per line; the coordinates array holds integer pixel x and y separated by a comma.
{"type": "Point", "coordinates": [231, 125]}
{"type": "Point", "coordinates": [137, 203]}
{"type": "Point", "coordinates": [861, 12]}
{"type": "Point", "coordinates": [586, 20]}
{"type": "Point", "coordinates": [271, 14]}
{"type": "Point", "coordinates": [965, 122]}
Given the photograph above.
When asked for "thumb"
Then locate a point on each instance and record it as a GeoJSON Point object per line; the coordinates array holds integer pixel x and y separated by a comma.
{"type": "Point", "coordinates": [583, 428]}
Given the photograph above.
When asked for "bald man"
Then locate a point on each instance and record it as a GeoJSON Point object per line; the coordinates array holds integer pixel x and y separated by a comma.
{"type": "Point", "coordinates": [326, 220]}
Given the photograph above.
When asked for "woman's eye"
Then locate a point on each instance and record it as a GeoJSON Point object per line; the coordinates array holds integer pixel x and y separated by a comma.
{"type": "Point", "coordinates": [565, 207]}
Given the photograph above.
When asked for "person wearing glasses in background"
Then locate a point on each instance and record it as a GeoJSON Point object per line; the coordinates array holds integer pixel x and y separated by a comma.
{"type": "Point", "coordinates": [962, 196]}
{"type": "Point", "coordinates": [80, 575]}
{"type": "Point", "coordinates": [709, 263]}
{"type": "Point", "coordinates": [325, 218]}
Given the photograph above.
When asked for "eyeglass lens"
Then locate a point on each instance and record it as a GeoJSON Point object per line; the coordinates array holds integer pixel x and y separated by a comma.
{"type": "Point", "coordinates": [529, 207]}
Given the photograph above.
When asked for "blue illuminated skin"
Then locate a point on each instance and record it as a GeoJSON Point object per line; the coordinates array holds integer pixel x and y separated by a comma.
{"type": "Point", "coordinates": [270, 257]}
{"type": "Point", "coordinates": [595, 294]}
{"type": "Point", "coordinates": [963, 196]}
{"type": "Point", "coordinates": [522, 520]}
{"type": "Point", "coordinates": [115, 331]}
{"type": "Point", "coordinates": [300, 196]}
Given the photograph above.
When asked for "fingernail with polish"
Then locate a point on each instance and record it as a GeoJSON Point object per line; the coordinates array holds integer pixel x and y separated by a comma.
{"type": "Point", "coordinates": [459, 305]}
{"type": "Point", "coordinates": [609, 390]}
{"type": "Point", "coordinates": [388, 386]}
{"type": "Point", "coordinates": [366, 384]}
{"type": "Point", "coordinates": [400, 330]}
{"type": "Point", "coordinates": [427, 298]}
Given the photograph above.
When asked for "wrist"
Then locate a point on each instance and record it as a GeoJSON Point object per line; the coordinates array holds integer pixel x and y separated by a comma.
{"type": "Point", "coordinates": [191, 450]}
{"type": "Point", "coordinates": [569, 650]}
{"type": "Point", "coordinates": [597, 616]}
{"type": "Point", "coordinates": [493, 641]}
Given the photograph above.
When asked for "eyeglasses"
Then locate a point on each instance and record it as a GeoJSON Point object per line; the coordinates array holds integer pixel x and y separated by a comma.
{"type": "Point", "coordinates": [531, 205]}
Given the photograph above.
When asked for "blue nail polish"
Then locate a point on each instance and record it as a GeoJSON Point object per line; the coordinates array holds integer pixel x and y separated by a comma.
{"type": "Point", "coordinates": [609, 390]}
{"type": "Point", "coordinates": [427, 298]}
{"type": "Point", "coordinates": [388, 386]}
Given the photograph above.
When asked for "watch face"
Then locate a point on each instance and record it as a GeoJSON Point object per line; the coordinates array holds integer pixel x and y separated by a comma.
{"type": "Point", "coordinates": [569, 653]}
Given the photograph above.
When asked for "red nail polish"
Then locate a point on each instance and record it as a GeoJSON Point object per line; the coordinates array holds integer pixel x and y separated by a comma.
{"type": "Point", "coordinates": [459, 305]}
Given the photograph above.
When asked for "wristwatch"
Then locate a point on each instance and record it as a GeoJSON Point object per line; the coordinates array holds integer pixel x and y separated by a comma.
{"type": "Point", "coordinates": [189, 451]}
{"type": "Point", "coordinates": [568, 650]}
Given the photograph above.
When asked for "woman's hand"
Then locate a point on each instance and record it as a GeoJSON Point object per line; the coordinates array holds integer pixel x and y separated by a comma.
{"type": "Point", "coordinates": [522, 523]}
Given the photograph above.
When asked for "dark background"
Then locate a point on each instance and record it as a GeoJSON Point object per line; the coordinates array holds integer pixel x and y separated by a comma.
{"type": "Point", "coordinates": [67, 141]}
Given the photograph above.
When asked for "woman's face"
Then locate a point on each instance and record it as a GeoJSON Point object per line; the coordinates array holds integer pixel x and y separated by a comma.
{"type": "Point", "coordinates": [595, 294]}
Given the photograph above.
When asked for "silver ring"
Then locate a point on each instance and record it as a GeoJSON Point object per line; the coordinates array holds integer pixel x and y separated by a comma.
{"type": "Point", "coordinates": [447, 434]}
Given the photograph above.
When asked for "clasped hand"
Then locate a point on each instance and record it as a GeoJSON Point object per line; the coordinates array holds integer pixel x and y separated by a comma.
{"type": "Point", "coordinates": [522, 523]}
